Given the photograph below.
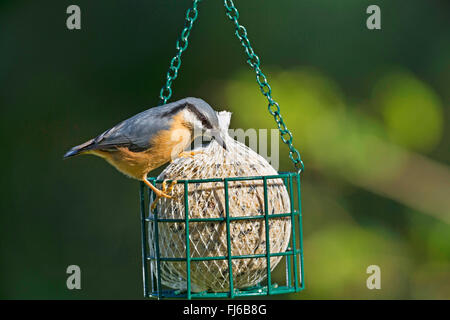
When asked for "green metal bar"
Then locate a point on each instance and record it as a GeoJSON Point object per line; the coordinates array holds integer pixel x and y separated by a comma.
{"type": "Point", "coordinates": [230, 179]}
{"type": "Point", "coordinates": [288, 258]}
{"type": "Point", "coordinates": [158, 253]}
{"type": "Point", "coordinates": [238, 293]}
{"type": "Point", "coordinates": [294, 246]}
{"type": "Point", "coordinates": [271, 216]}
{"type": "Point", "coordinates": [188, 250]}
{"type": "Point", "coordinates": [300, 225]}
{"type": "Point", "coordinates": [266, 212]}
{"type": "Point", "coordinates": [152, 278]}
{"type": "Point", "coordinates": [245, 256]}
{"type": "Point", "coordinates": [143, 239]}
{"type": "Point", "coordinates": [230, 260]}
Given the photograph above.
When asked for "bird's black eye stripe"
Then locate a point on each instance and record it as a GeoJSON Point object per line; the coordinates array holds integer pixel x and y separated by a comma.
{"type": "Point", "coordinates": [200, 116]}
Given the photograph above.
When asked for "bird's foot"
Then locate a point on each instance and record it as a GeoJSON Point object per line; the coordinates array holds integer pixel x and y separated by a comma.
{"type": "Point", "coordinates": [189, 154]}
{"type": "Point", "coordinates": [163, 193]}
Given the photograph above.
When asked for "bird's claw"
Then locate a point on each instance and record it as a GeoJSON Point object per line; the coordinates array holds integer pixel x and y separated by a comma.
{"type": "Point", "coordinates": [163, 193]}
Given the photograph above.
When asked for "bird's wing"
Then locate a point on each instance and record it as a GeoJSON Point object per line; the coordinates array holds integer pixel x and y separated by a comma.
{"type": "Point", "coordinates": [137, 132]}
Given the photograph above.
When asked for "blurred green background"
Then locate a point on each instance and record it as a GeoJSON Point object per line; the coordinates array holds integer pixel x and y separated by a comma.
{"type": "Point", "coordinates": [369, 111]}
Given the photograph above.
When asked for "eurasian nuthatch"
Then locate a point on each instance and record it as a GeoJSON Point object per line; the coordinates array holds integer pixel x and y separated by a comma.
{"type": "Point", "coordinates": [153, 137]}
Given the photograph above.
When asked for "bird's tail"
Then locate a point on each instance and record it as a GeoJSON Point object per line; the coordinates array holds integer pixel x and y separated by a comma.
{"type": "Point", "coordinates": [82, 148]}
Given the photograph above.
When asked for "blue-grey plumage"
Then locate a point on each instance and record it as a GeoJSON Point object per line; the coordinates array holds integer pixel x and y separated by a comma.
{"type": "Point", "coordinates": [136, 132]}
{"type": "Point", "coordinates": [153, 137]}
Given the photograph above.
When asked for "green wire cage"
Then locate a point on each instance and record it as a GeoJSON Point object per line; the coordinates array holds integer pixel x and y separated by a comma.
{"type": "Point", "coordinates": [292, 256]}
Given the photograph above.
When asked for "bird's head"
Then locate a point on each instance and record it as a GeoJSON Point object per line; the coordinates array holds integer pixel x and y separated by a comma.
{"type": "Point", "coordinates": [202, 119]}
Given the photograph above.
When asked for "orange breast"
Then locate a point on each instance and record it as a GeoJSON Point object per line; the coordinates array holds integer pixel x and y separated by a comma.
{"type": "Point", "coordinates": [166, 146]}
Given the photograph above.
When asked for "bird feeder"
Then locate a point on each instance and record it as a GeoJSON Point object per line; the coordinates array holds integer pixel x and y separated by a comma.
{"type": "Point", "coordinates": [224, 233]}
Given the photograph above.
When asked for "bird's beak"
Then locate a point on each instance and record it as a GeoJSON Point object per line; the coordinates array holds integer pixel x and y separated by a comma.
{"type": "Point", "coordinates": [218, 137]}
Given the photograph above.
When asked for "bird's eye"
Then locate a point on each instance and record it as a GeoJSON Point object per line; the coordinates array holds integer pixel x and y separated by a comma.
{"type": "Point", "coordinates": [205, 122]}
{"type": "Point", "coordinates": [200, 116]}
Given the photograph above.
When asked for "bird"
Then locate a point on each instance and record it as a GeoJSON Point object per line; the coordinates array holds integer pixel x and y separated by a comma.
{"type": "Point", "coordinates": [152, 138]}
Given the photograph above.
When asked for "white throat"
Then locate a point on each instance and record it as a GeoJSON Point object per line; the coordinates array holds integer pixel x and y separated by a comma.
{"type": "Point", "coordinates": [191, 118]}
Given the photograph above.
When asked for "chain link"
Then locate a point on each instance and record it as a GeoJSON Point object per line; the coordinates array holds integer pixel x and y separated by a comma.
{"type": "Point", "coordinates": [254, 62]}
{"type": "Point", "coordinates": [181, 46]}
{"type": "Point", "coordinates": [252, 59]}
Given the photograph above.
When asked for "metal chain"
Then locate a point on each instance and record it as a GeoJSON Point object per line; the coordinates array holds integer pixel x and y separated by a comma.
{"type": "Point", "coordinates": [181, 46]}
{"type": "Point", "coordinates": [254, 62]}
